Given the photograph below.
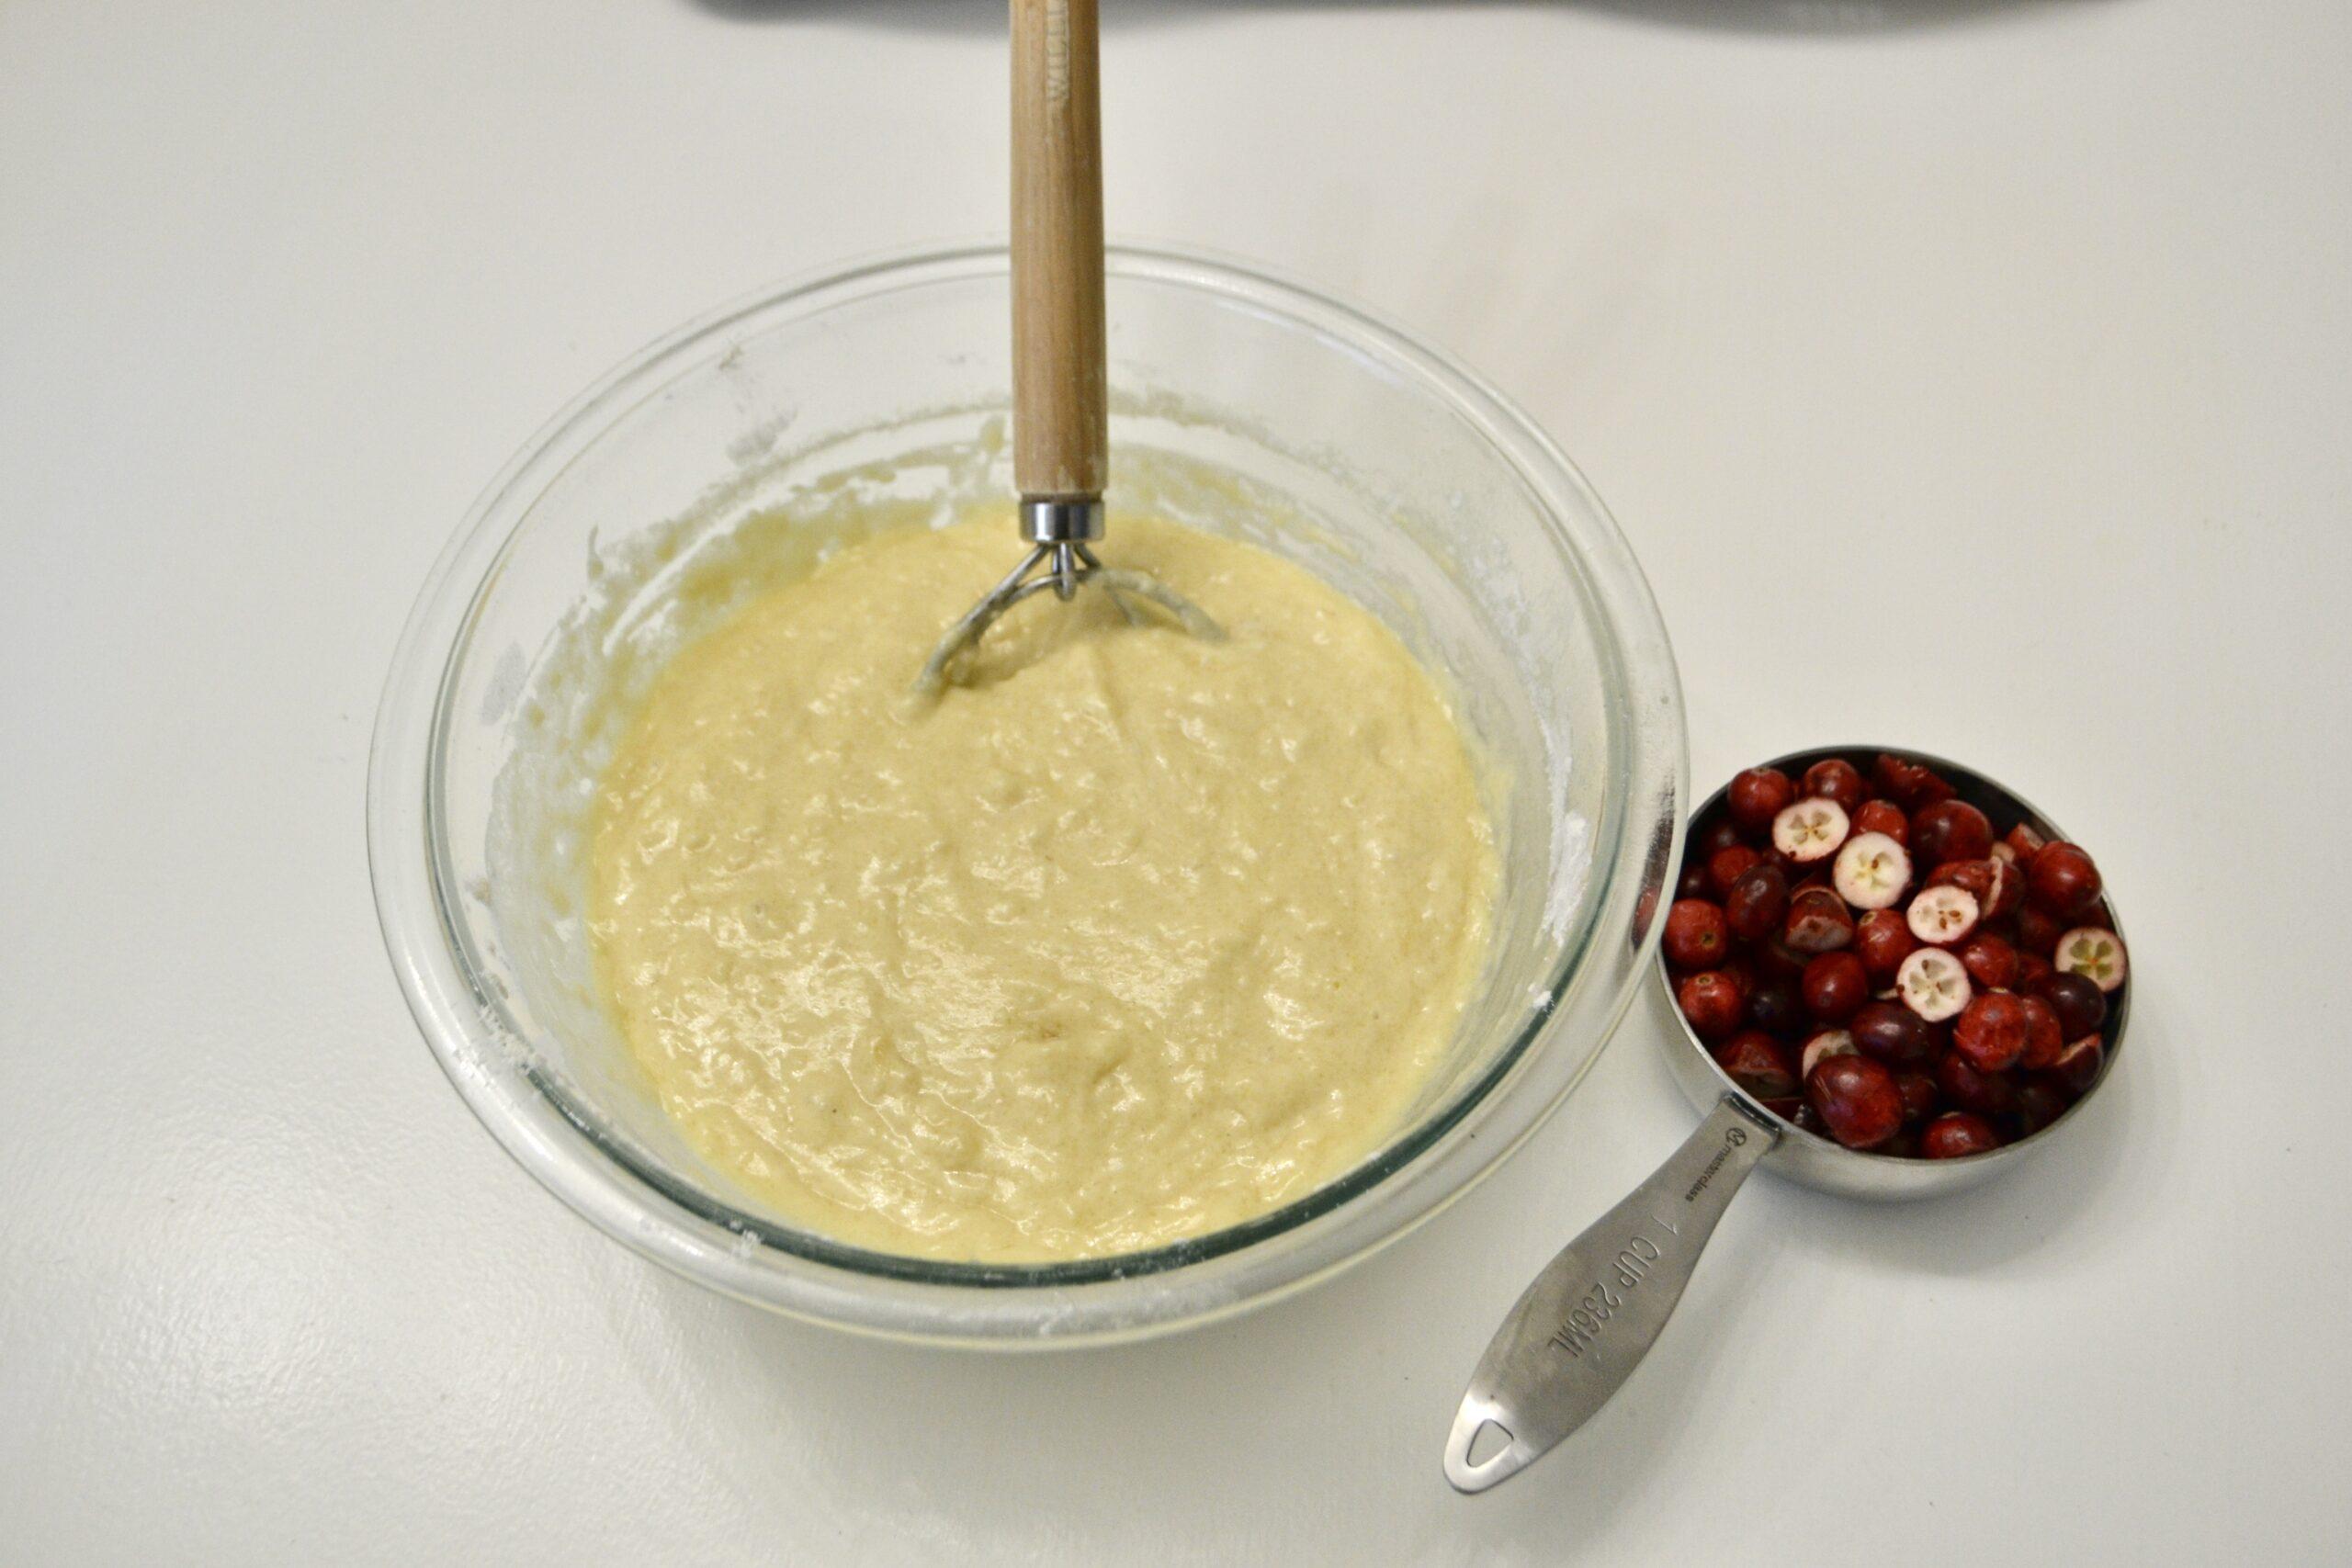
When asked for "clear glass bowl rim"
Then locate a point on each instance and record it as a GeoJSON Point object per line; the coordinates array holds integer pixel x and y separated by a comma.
{"type": "Point", "coordinates": [753, 1258]}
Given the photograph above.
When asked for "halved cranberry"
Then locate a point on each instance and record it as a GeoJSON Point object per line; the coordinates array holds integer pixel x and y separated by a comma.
{"type": "Point", "coordinates": [2063, 880]}
{"type": "Point", "coordinates": [1956, 1136]}
{"type": "Point", "coordinates": [1757, 795]}
{"type": "Point", "coordinates": [1696, 937]}
{"type": "Point", "coordinates": [2024, 843]}
{"type": "Point", "coordinates": [1997, 888]}
{"type": "Point", "coordinates": [1809, 832]}
{"type": "Point", "coordinates": [2093, 952]}
{"type": "Point", "coordinates": [1991, 963]}
{"type": "Point", "coordinates": [1951, 830]}
{"type": "Point", "coordinates": [1776, 1005]}
{"type": "Point", "coordinates": [1987, 1094]}
{"type": "Point", "coordinates": [1991, 1031]}
{"type": "Point", "coordinates": [1882, 940]}
{"type": "Point", "coordinates": [1932, 984]}
{"type": "Point", "coordinates": [1755, 1061]}
{"type": "Point", "coordinates": [1872, 871]}
{"type": "Point", "coordinates": [1882, 816]}
{"type": "Point", "coordinates": [1893, 1034]}
{"type": "Point", "coordinates": [2045, 1038]}
{"type": "Point", "coordinates": [1944, 915]}
{"type": "Point", "coordinates": [1911, 785]}
{"type": "Point", "coordinates": [1755, 903]}
{"type": "Point", "coordinates": [1818, 922]}
{"type": "Point", "coordinates": [1711, 1001]}
{"type": "Point", "coordinates": [2081, 1006]}
{"type": "Point", "coordinates": [1821, 1047]}
{"type": "Point", "coordinates": [1725, 866]}
{"type": "Point", "coordinates": [1836, 986]}
{"type": "Point", "coordinates": [2078, 1064]}
{"type": "Point", "coordinates": [1833, 778]}
{"type": "Point", "coordinates": [1856, 1099]}
{"type": "Point", "coordinates": [1919, 1089]}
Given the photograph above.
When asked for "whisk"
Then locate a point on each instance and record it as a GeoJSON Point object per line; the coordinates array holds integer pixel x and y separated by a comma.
{"type": "Point", "coordinates": [1061, 437]}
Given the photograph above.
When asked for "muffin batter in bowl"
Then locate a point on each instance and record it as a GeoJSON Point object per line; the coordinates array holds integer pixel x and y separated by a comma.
{"type": "Point", "coordinates": [1129, 937]}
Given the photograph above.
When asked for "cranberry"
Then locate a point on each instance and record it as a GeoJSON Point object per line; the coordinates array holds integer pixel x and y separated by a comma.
{"type": "Point", "coordinates": [1858, 1100]}
{"type": "Point", "coordinates": [2080, 1005]}
{"type": "Point", "coordinates": [1775, 960]}
{"type": "Point", "coordinates": [1990, 1031]}
{"type": "Point", "coordinates": [1757, 795]}
{"type": "Point", "coordinates": [2024, 843]}
{"type": "Point", "coordinates": [1991, 963]}
{"type": "Point", "coordinates": [1883, 817]}
{"type": "Point", "coordinates": [1836, 986]}
{"type": "Point", "coordinates": [1987, 1094]}
{"type": "Point", "coordinates": [1808, 1120]}
{"type": "Point", "coordinates": [1943, 915]}
{"type": "Point", "coordinates": [2038, 932]}
{"type": "Point", "coordinates": [1833, 778]}
{"type": "Point", "coordinates": [1692, 882]}
{"type": "Point", "coordinates": [1872, 871]}
{"type": "Point", "coordinates": [1997, 889]}
{"type": "Point", "coordinates": [1893, 1034]}
{"type": "Point", "coordinates": [2078, 1064]}
{"type": "Point", "coordinates": [1817, 921]}
{"type": "Point", "coordinates": [1932, 984]}
{"type": "Point", "coordinates": [2031, 967]}
{"type": "Point", "coordinates": [1754, 904]}
{"type": "Point", "coordinates": [1883, 940]}
{"type": "Point", "coordinates": [1911, 785]}
{"type": "Point", "coordinates": [2039, 1103]}
{"type": "Point", "coordinates": [1918, 1090]}
{"type": "Point", "coordinates": [2045, 1037]}
{"type": "Point", "coordinates": [1711, 1000]}
{"type": "Point", "coordinates": [1725, 866]}
{"type": "Point", "coordinates": [2063, 880]}
{"type": "Point", "coordinates": [1905, 1144]}
{"type": "Point", "coordinates": [1809, 832]}
{"type": "Point", "coordinates": [1956, 1136]}
{"type": "Point", "coordinates": [1821, 1047]}
{"type": "Point", "coordinates": [1951, 830]}
{"type": "Point", "coordinates": [1755, 1061]}
{"type": "Point", "coordinates": [1696, 937]}
{"type": "Point", "coordinates": [2093, 952]}
{"type": "Point", "coordinates": [1741, 973]}
{"type": "Point", "coordinates": [1776, 1005]}
{"type": "Point", "coordinates": [1720, 833]}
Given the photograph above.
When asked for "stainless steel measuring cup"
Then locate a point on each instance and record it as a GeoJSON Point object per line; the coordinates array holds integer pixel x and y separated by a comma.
{"type": "Point", "coordinates": [1579, 1330]}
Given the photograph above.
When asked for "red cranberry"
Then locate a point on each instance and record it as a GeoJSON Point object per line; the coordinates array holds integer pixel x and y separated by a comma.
{"type": "Point", "coordinates": [1720, 833]}
{"type": "Point", "coordinates": [1882, 816]}
{"type": "Point", "coordinates": [1882, 940]}
{"type": "Point", "coordinates": [1725, 866]}
{"type": "Point", "coordinates": [1997, 889]}
{"type": "Point", "coordinates": [1755, 1061]}
{"type": "Point", "coordinates": [1692, 882]}
{"type": "Point", "coordinates": [1818, 922]}
{"type": "Point", "coordinates": [1754, 905]}
{"type": "Point", "coordinates": [1991, 963]}
{"type": "Point", "coordinates": [2040, 1101]}
{"type": "Point", "coordinates": [1956, 1136]}
{"type": "Point", "coordinates": [1918, 1090]}
{"type": "Point", "coordinates": [1836, 986]}
{"type": "Point", "coordinates": [2078, 1064]}
{"type": "Point", "coordinates": [1990, 1031]}
{"type": "Point", "coordinates": [1774, 959]}
{"type": "Point", "coordinates": [1893, 1034]}
{"type": "Point", "coordinates": [1757, 795]}
{"type": "Point", "coordinates": [1776, 1005]}
{"type": "Point", "coordinates": [2045, 1037]}
{"type": "Point", "coordinates": [1741, 973]}
{"type": "Point", "coordinates": [2024, 843]}
{"type": "Point", "coordinates": [1696, 937]}
{"type": "Point", "coordinates": [1828, 1043]}
{"type": "Point", "coordinates": [1858, 1100]}
{"type": "Point", "coordinates": [1711, 1000]}
{"type": "Point", "coordinates": [2063, 880]}
{"type": "Point", "coordinates": [1833, 778]}
{"type": "Point", "coordinates": [1951, 830]}
{"type": "Point", "coordinates": [2038, 932]}
{"type": "Point", "coordinates": [1987, 1094]}
{"type": "Point", "coordinates": [2031, 967]}
{"type": "Point", "coordinates": [2080, 1005]}
{"type": "Point", "coordinates": [1911, 785]}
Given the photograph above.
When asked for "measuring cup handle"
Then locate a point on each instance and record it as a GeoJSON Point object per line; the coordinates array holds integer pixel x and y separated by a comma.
{"type": "Point", "coordinates": [1582, 1329]}
{"type": "Point", "coordinates": [1061, 433]}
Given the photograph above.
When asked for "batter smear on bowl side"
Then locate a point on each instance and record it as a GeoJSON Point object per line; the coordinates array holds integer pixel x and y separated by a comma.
{"type": "Point", "coordinates": [1130, 937]}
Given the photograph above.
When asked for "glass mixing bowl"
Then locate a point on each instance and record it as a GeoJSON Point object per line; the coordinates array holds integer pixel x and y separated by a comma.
{"type": "Point", "coordinates": [1242, 403]}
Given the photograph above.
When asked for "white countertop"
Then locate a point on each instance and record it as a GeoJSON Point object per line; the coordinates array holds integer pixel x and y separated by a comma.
{"type": "Point", "coordinates": [1970, 375]}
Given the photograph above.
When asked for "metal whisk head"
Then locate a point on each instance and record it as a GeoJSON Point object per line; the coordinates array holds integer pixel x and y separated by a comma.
{"type": "Point", "coordinates": [1060, 532]}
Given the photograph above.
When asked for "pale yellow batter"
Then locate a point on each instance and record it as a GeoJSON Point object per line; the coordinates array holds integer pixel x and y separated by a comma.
{"type": "Point", "coordinates": [1135, 936]}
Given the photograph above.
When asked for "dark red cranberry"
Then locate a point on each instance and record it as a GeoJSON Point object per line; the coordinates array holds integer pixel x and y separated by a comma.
{"type": "Point", "coordinates": [1819, 922]}
{"type": "Point", "coordinates": [2078, 1064]}
{"type": "Point", "coordinates": [2038, 931]}
{"type": "Point", "coordinates": [1776, 1005]}
{"type": "Point", "coordinates": [1696, 937]}
{"type": "Point", "coordinates": [1895, 1034]}
{"type": "Point", "coordinates": [1956, 1136]}
{"type": "Point", "coordinates": [1773, 959]}
{"type": "Point", "coordinates": [1725, 866]}
{"type": "Point", "coordinates": [1911, 785]}
{"type": "Point", "coordinates": [1757, 795]}
{"type": "Point", "coordinates": [1836, 986]}
{"type": "Point", "coordinates": [1755, 1061]}
{"type": "Point", "coordinates": [1692, 882]}
{"type": "Point", "coordinates": [1754, 905]}
{"type": "Point", "coordinates": [2040, 1101]}
{"type": "Point", "coordinates": [1987, 1094]}
{"type": "Point", "coordinates": [1741, 973]}
{"type": "Point", "coordinates": [1833, 778]}
{"type": "Point", "coordinates": [1990, 1031]}
{"type": "Point", "coordinates": [1858, 1100]}
{"type": "Point", "coordinates": [1918, 1093]}
{"type": "Point", "coordinates": [2045, 1037]}
{"type": "Point", "coordinates": [1949, 830]}
{"type": "Point", "coordinates": [2062, 880]}
{"type": "Point", "coordinates": [2031, 967]}
{"type": "Point", "coordinates": [1882, 940]}
{"type": "Point", "coordinates": [1711, 1000]}
{"type": "Point", "coordinates": [2080, 1005]}
{"type": "Point", "coordinates": [1905, 1144]}
{"type": "Point", "coordinates": [2024, 842]}
{"type": "Point", "coordinates": [1882, 816]}
{"type": "Point", "coordinates": [1991, 963]}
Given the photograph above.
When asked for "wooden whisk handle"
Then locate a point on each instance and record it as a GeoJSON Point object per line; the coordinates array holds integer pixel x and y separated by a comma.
{"type": "Point", "coordinates": [1061, 437]}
